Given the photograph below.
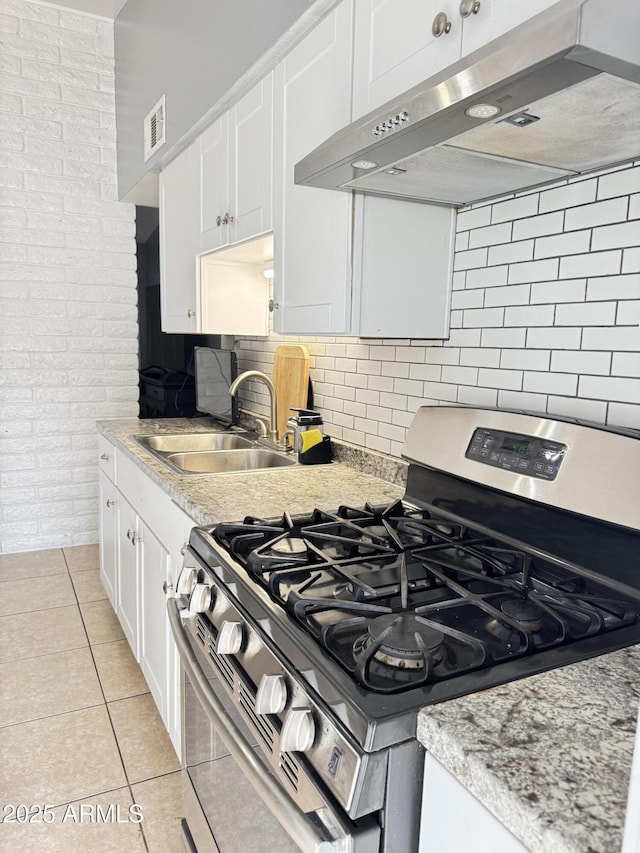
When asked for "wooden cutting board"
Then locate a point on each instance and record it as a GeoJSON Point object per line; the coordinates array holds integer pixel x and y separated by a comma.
{"type": "Point", "coordinates": [291, 380]}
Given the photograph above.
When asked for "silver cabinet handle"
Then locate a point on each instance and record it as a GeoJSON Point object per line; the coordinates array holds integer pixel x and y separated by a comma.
{"type": "Point", "coordinates": [167, 587]}
{"type": "Point", "coordinates": [218, 220]}
{"type": "Point", "coordinates": [227, 218]}
{"type": "Point", "coordinates": [104, 456]}
{"type": "Point", "coordinates": [469, 7]}
{"type": "Point", "coordinates": [441, 25]}
{"type": "Point", "coordinates": [129, 533]}
{"type": "Point", "coordinates": [190, 313]}
{"type": "Point", "coordinates": [110, 503]}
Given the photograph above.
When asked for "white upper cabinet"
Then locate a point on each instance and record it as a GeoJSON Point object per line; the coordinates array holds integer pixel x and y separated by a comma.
{"type": "Point", "coordinates": [236, 155]}
{"type": "Point", "coordinates": [180, 242]}
{"type": "Point", "coordinates": [396, 49]}
{"type": "Point", "coordinates": [215, 194]}
{"type": "Point", "coordinates": [312, 228]}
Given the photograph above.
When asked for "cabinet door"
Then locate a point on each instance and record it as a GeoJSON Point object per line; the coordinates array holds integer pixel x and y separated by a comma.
{"type": "Point", "coordinates": [451, 815]}
{"type": "Point", "coordinates": [128, 580]}
{"type": "Point", "coordinates": [395, 48]}
{"type": "Point", "coordinates": [214, 182]}
{"type": "Point", "coordinates": [108, 534]}
{"type": "Point", "coordinates": [180, 242]}
{"type": "Point", "coordinates": [153, 617]}
{"type": "Point", "coordinates": [312, 226]}
{"type": "Point", "coordinates": [495, 17]}
{"type": "Point", "coordinates": [251, 162]}
{"type": "Point", "coordinates": [403, 270]}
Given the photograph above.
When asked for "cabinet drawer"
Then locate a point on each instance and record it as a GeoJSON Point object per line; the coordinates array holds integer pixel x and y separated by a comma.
{"type": "Point", "coordinates": [107, 458]}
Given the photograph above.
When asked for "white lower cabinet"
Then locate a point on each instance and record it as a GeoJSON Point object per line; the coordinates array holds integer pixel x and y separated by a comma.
{"type": "Point", "coordinates": [108, 536]}
{"type": "Point", "coordinates": [128, 572]}
{"type": "Point", "coordinates": [142, 534]}
{"type": "Point", "coordinates": [453, 820]}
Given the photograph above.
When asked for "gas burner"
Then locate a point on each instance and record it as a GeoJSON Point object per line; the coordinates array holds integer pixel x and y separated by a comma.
{"type": "Point", "coordinates": [404, 641]}
{"type": "Point", "coordinates": [291, 545]}
{"type": "Point", "coordinates": [525, 612]}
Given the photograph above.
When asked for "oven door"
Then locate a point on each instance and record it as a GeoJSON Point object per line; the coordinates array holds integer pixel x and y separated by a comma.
{"type": "Point", "coordinates": [233, 802]}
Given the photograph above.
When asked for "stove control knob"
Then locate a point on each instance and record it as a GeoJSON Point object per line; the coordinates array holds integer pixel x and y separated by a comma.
{"type": "Point", "coordinates": [201, 598]}
{"type": "Point", "coordinates": [187, 579]}
{"type": "Point", "coordinates": [298, 731]}
{"type": "Point", "coordinates": [230, 638]}
{"type": "Point", "coordinates": [272, 694]}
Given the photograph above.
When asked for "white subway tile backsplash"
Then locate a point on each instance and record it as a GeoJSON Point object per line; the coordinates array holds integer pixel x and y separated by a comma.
{"type": "Point", "coordinates": [476, 217]}
{"type": "Point", "coordinates": [631, 260]}
{"type": "Point", "coordinates": [624, 415]}
{"type": "Point", "coordinates": [572, 243]}
{"type": "Point", "coordinates": [598, 213]}
{"type": "Point", "coordinates": [498, 378]}
{"type": "Point", "coordinates": [471, 259]}
{"type": "Point", "coordinates": [481, 318]}
{"type": "Point", "coordinates": [586, 314]}
{"type": "Point", "coordinates": [591, 264]}
{"type": "Point", "coordinates": [626, 364]}
{"type": "Point", "coordinates": [581, 409]}
{"type": "Point", "coordinates": [558, 291]}
{"type": "Point", "coordinates": [620, 389]}
{"type": "Point", "coordinates": [530, 359]}
{"type": "Point", "coordinates": [516, 208]}
{"type": "Point", "coordinates": [511, 253]}
{"type": "Point", "coordinates": [568, 195]}
{"type": "Point", "coordinates": [628, 313]}
{"type": "Point", "coordinates": [530, 315]}
{"type": "Point", "coordinates": [491, 235]}
{"type": "Point", "coordinates": [513, 294]}
{"type": "Point", "coordinates": [619, 183]}
{"type": "Point", "coordinates": [554, 338]}
{"type": "Point", "coordinates": [504, 338]}
{"type": "Point", "coordinates": [487, 276]}
{"type": "Point", "coordinates": [582, 361]}
{"type": "Point", "coordinates": [544, 270]}
{"type": "Point", "coordinates": [623, 235]}
{"type": "Point", "coordinates": [615, 339]}
{"type": "Point", "coordinates": [550, 383]}
{"type": "Point", "coordinates": [538, 226]}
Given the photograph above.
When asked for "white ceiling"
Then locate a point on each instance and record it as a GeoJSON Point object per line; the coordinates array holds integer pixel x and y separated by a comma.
{"type": "Point", "coordinates": [105, 8]}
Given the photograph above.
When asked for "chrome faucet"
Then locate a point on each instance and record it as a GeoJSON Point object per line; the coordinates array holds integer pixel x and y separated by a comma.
{"type": "Point", "coordinates": [256, 374]}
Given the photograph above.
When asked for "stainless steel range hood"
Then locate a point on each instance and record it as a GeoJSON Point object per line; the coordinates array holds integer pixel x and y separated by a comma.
{"type": "Point", "coordinates": [567, 84]}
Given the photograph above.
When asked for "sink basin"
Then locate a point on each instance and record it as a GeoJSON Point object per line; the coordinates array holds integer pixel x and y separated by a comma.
{"type": "Point", "coordinates": [192, 441]}
{"type": "Point", "coordinates": [225, 461]}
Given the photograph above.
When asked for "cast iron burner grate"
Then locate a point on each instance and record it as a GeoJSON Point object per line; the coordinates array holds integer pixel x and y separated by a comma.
{"type": "Point", "coordinates": [402, 597]}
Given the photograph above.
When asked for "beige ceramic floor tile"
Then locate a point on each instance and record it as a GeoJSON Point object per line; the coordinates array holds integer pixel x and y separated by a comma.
{"type": "Point", "coordinates": [88, 586]}
{"type": "Point", "coordinates": [102, 824]}
{"type": "Point", "coordinates": [48, 685]}
{"type": "Point", "coordinates": [60, 759]}
{"type": "Point", "coordinates": [119, 673]}
{"type": "Point", "coordinates": [101, 622]}
{"type": "Point", "coordinates": [81, 558]}
{"type": "Point", "coordinates": [161, 802]}
{"type": "Point", "coordinates": [17, 596]}
{"type": "Point", "coordinates": [143, 740]}
{"type": "Point", "coordinates": [32, 564]}
{"type": "Point", "coordinates": [28, 635]}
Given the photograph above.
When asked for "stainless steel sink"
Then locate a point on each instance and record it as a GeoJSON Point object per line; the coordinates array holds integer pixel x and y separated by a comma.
{"type": "Point", "coordinates": [212, 452]}
{"type": "Point", "coordinates": [192, 441]}
{"type": "Point", "coordinates": [225, 461]}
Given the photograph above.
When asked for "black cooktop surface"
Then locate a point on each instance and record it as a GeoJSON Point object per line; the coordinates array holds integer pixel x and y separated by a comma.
{"type": "Point", "coordinates": [403, 597]}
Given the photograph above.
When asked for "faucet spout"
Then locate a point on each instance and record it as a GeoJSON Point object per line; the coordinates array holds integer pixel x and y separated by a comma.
{"type": "Point", "coordinates": [257, 374]}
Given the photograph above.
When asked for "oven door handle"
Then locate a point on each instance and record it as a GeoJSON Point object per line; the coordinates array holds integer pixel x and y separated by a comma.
{"type": "Point", "coordinates": [302, 830]}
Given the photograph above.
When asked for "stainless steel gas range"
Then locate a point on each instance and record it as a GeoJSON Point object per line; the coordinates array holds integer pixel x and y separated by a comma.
{"type": "Point", "coordinates": [309, 643]}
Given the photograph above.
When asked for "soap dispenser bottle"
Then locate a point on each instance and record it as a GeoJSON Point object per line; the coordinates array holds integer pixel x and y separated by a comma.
{"type": "Point", "coordinates": [309, 443]}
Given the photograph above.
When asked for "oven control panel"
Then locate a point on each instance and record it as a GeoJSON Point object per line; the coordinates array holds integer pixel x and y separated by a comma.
{"type": "Point", "coordinates": [522, 454]}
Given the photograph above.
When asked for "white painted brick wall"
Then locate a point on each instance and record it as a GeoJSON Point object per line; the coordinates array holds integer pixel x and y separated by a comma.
{"type": "Point", "coordinates": [546, 309]}
{"type": "Point", "coordinates": [68, 316]}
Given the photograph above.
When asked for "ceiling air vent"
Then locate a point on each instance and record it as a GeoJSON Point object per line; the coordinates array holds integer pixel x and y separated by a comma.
{"type": "Point", "coordinates": [154, 129]}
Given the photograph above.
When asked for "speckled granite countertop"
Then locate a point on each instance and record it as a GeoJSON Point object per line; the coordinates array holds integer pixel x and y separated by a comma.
{"type": "Point", "coordinates": [550, 755]}
{"type": "Point", "coordinates": [211, 498]}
